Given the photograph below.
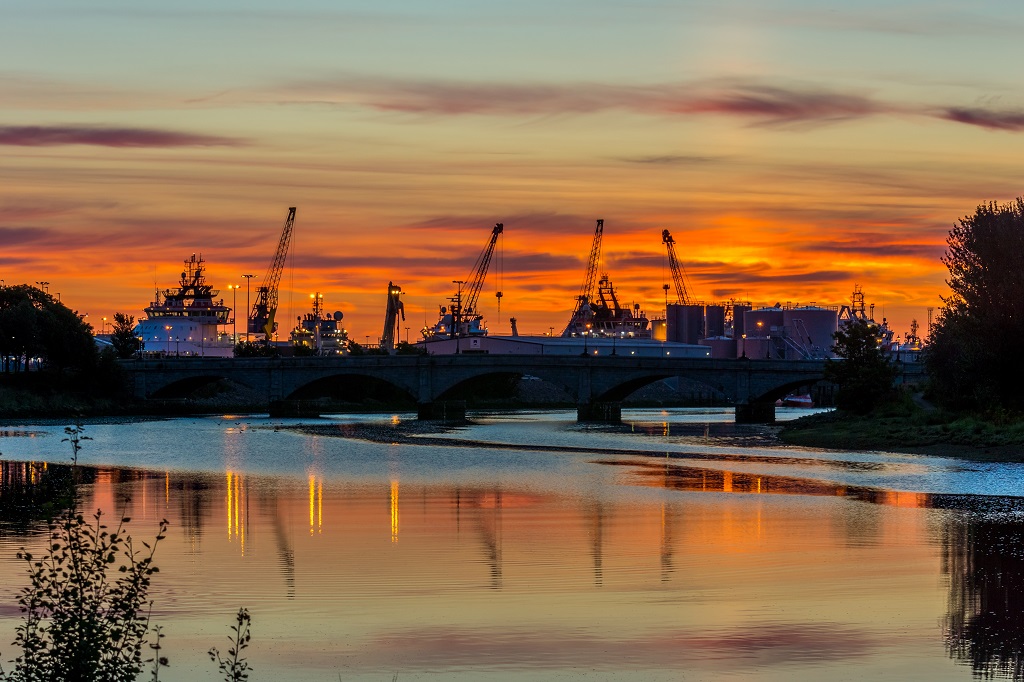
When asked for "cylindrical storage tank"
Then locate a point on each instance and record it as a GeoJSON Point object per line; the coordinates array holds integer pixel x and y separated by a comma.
{"type": "Point", "coordinates": [692, 325]}
{"type": "Point", "coordinates": [684, 323]}
{"type": "Point", "coordinates": [714, 321]}
{"type": "Point", "coordinates": [721, 347]}
{"type": "Point", "coordinates": [659, 330]}
{"type": "Point", "coordinates": [738, 330]}
{"type": "Point", "coordinates": [672, 332]}
{"type": "Point", "coordinates": [753, 347]}
{"type": "Point", "coordinates": [812, 328]}
{"type": "Point", "coordinates": [763, 321]}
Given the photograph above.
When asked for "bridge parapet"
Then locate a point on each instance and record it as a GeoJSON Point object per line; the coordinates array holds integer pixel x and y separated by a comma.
{"type": "Point", "coordinates": [591, 381]}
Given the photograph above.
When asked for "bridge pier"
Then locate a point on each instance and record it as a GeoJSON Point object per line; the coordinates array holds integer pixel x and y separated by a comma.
{"type": "Point", "coordinates": [603, 412]}
{"type": "Point", "coordinates": [755, 413]}
{"type": "Point", "coordinates": [442, 410]}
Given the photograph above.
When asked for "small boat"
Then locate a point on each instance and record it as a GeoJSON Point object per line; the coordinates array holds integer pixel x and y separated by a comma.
{"type": "Point", "coordinates": [797, 400]}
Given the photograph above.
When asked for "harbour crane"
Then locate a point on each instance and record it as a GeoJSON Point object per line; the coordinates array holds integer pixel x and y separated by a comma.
{"type": "Point", "coordinates": [587, 290]}
{"type": "Point", "coordinates": [462, 317]}
{"type": "Point", "coordinates": [476, 280]}
{"type": "Point", "coordinates": [678, 276]}
{"type": "Point", "coordinates": [261, 317]}
{"type": "Point", "coordinates": [395, 307]}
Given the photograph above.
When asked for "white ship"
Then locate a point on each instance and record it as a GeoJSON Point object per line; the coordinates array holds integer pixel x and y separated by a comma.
{"type": "Point", "coordinates": [187, 321]}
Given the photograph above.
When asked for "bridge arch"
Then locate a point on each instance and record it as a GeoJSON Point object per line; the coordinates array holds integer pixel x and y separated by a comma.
{"type": "Point", "coordinates": [784, 389]}
{"type": "Point", "coordinates": [188, 386]}
{"type": "Point", "coordinates": [352, 386]}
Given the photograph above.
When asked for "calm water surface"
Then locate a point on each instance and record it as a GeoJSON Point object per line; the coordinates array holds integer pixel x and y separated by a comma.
{"type": "Point", "coordinates": [528, 547]}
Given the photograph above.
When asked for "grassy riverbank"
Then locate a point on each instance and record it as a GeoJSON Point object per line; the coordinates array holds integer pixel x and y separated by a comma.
{"type": "Point", "coordinates": [908, 427]}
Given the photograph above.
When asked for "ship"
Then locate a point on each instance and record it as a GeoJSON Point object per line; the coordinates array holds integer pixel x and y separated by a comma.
{"type": "Point", "coordinates": [321, 334]}
{"type": "Point", "coordinates": [606, 318]}
{"type": "Point", "coordinates": [187, 320]}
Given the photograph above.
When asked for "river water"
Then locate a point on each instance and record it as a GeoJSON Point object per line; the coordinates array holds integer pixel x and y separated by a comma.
{"type": "Point", "coordinates": [529, 547]}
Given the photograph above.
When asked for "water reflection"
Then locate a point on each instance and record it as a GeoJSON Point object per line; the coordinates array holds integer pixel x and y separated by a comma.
{"type": "Point", "coordinates": [491, 577]}
{"type": "Point", "coordinates": [394, 511]}
{"type": "Point", "coordinates": [984, 560]}
{"type": "Point", "coordinates": [698, 479]}
{"type": "Point", "coordinates": [237, 503]}
{"type": "Point", "coordinates": [34, 491]}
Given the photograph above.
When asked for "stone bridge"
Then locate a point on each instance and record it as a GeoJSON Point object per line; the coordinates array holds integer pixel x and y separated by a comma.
{"type": "Point", "coordinates": [597, 384]}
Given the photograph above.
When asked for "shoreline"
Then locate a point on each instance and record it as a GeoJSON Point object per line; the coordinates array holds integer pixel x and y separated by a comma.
{"type": "Point", "coordinates": [927, 433]}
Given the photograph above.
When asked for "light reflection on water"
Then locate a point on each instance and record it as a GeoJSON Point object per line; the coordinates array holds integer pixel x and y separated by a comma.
{"type": "Point", "coordinates": [480, 554]}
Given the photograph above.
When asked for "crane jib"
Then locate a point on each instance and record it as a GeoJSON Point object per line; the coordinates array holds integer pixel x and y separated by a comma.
{"type": "Point", "coordinates": [479, 274]}
{"type": "Point", "coordinates": [264, 310]}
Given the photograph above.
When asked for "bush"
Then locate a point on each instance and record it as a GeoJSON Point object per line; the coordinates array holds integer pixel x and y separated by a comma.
{"type": "Point", "coordinates": [80, 623]}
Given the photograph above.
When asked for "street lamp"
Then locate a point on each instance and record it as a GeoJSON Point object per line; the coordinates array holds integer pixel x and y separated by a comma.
{"type": "Point", "coordinates": [234, 312]}
{"type": "Point", "coordinates": [104, 328]}
{"type": "Point", "coordinates": [247, 278]}
{"type": "Point", "coordinates": [167, 327]}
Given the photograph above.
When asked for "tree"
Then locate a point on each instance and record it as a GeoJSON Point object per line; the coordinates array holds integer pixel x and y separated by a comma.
{"type": "Point", "coordinates": [122, 336]}
{"type": "Point", "coordinates": [34, 324]}
{"type": "Point", "coordinates": [254, 349]}
{"type": "Point", "coordinates": [974, 351]}
{"type": "Point", "coordinates": [865, 375]}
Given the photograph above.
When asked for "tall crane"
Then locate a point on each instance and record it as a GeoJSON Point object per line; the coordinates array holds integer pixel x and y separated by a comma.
{"type": "Point", "coordinates": [587, 290]}
{"type": "Point", "coordinates": [395, 307]}
{"type": "Point", "coordinates": [461, 318]}
{"type": "Point", "coordinates": [476, 280]}
{"type": "Point", "coordinates": [678, 276]}
{"type": "Point", "coordinates": [261, 317]}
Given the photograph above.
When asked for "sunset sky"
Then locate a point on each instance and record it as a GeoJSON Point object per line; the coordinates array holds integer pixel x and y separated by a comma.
{"type": "Point", "coordinates": [792, 148]}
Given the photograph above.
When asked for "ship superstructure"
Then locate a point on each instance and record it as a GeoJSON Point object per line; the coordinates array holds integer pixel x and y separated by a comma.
{"type": "Point", "coordinates": [606, 317]}
{"type": "Point", "coordinates": [187, 320]}
{"type": "Point", "coordinates": [323, 334]}
{"type": "Point", "coordinates": [601, 315]}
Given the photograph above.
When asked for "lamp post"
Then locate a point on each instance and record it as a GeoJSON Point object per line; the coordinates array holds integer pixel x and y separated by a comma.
{"type": "Point", "coordinates": [104, 326]}
{"type": "Point", "coordinates": [247, 278]}
{"type": "Point", "coordinates": [234, 313]}
{"type": "Point", "coordinates": [45, 286]}
{"type": "Point", "coordinates": [407, 335]}
{"type": "Point", "coordinates": [167, 328]}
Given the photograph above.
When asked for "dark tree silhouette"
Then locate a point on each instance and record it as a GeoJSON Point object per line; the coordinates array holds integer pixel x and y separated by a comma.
{"type": "Point", "coordinates": [974, 353]}
{"type": "Point", "coordinates": [122, 336]}
{"type": "Point", "coordinates": [865, 375]}
{"type": "Point", "coordinates": [33, 324]}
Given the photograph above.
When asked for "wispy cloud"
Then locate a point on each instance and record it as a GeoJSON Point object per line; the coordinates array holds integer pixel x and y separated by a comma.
{"type": "Point", "coordinates": [986, 118]}
{"type": "Point", "coordinates": [766, 102]}
{"type": "Point", "coordinates": [762, 102]}
{"type": "Point", "coordinates": [670, 160]}
{"type": "Point", "coordinates": [50, 136]}
{"type": "Point", "coordinates": [775, 104]}
{"type": "Point", "coordinates": [876, 246]}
